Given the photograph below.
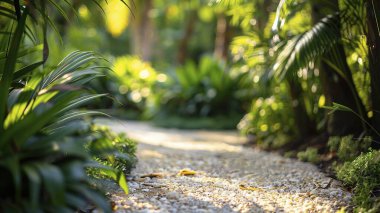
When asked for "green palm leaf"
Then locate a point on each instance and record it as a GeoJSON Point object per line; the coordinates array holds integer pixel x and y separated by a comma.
{"type": "Point", "coordinates": [298, 52]}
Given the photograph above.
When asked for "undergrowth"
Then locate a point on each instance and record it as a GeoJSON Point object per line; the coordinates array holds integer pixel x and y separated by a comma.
{"type": "Point", "coordinates": [111, 149]}
{"type": "Point", "coordinates": [347, 148]}
{"type": "Point", "coordinates": [309, 155]}
{"type": "Point", "coordinates": [363, 175]}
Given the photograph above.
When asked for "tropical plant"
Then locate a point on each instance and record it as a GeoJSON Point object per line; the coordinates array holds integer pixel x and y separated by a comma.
{"type": "Point", "coordinates": [39, 144]}
{"type": "Point", "coordinates": [335, 34]}
{"type": "Point", "coordinates": [42, 141]}
{"type": "Point", "coordinates": [206, 90]}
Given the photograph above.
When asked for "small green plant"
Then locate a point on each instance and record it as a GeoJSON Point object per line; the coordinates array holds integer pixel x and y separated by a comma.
{"type": "Point", "coordinates": [334, 143]}
{"type": "Point", "coordinates": [309, 155]}
{"type": "Point", "coordinates": [363, 174]}
{"type": "Point", "coordinates": [348, 148]}
{"type": "Point", "coordinates": [112, 149]}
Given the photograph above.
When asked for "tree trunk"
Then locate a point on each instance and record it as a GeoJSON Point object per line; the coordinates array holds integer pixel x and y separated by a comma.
{"type": "Point", "coordinates": [263, 15]}
{"type": "Point", "coordinates": [305, 126]}
{"type": "Point", "coordinates": [142, 30]}
{"type": "Point", "coordinates": [373, 42]}
{"type": "Point", "coordinates": [184, 42]}
{"type": "Point", "coordinates": [335, 87]}
{"type": "Point", "coordinates": [222, 38]}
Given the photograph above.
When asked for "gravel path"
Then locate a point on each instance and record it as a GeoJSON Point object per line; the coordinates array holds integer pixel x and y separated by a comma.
{"type": "Point", "coordinates": [228, 177]}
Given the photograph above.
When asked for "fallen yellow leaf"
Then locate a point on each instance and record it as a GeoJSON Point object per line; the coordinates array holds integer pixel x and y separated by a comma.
{"type": "Point", "coordinates": [185, 172]}
{"type": "Point", "coordinates": [250, 188]}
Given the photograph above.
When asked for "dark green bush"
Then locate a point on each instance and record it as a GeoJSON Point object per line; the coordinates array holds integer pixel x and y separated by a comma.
{"type": "Point", "coordinates": [363, 175]}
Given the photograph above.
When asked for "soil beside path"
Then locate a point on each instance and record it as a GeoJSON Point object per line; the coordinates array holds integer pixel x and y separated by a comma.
{"type": "Point", "coordinates": [228, 178]}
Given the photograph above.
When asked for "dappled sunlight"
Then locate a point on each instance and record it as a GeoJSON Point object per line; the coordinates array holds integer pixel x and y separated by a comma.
{"type": "Point", "coordinates": [216, 189]}
{"type": "Point", "coordinates": [181, 140]}
{"type": "Point", "coordinates": [227, 194]}
{"type": "Point", "coordinates": [224, 177]}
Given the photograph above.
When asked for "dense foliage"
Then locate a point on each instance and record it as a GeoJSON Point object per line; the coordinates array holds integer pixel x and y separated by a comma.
{"type": "Point", "coordinates": [43, 133]}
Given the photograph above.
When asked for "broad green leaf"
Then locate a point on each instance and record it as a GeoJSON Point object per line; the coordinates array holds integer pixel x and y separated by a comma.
{"type": "Point", "coordinates": [33, 122]}
{"type": "Point", "coordinates": [34, 185]}
{"type": "Point", "coordinates": [25, 70]}
{"type": "Point", "coordinates": [123, 182]}
{"type": "Point", "coordinates": [53, 181]}
{"type": "Point", "coordinates": [9, 67]}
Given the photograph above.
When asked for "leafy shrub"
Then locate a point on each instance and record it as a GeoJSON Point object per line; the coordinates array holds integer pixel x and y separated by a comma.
{"type": "Point", "coordinates": [206, 90]}
{"type": "Point", "coordinates": [47, 173]}
{"type": "Point", "coordinates": [267, 121]}
{"type": "Point", "coordinates": [363, 174]}
{"type": "Point", "coordinates": [42, 152]}
{"type": "Point", "coordinates": [111, 149]}
{"type": "Point", "coordinates": [133, 82]}
{"type": "Point", "coordinates": [309, 155]}
{"type": "Point", "coordinates": [348, 148]}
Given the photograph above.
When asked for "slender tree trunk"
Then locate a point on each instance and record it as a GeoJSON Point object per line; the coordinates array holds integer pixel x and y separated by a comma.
{"type": "Point", "coordinates": [142, 30]}
{"type": "Point", "coordinates": [337, 90]}
{"type": "Point", "coordinates": [305, 126]}
{"type": "Point", "coordinates": [222, 38]}
{"type": "Point", "coordinates": [335, 87]}
{"type": "Point", "coordinates": [263, 15]}
{"type": "Point", "coordinates": [373, 42]}
{"type": "Point", "coordinates": [184, 42]}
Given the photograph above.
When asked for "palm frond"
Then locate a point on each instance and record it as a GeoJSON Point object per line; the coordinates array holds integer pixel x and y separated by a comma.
{"type": "Point", "coordinates": [9, 66]}
{"type": "Point", "coordinates": [299, 51]}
